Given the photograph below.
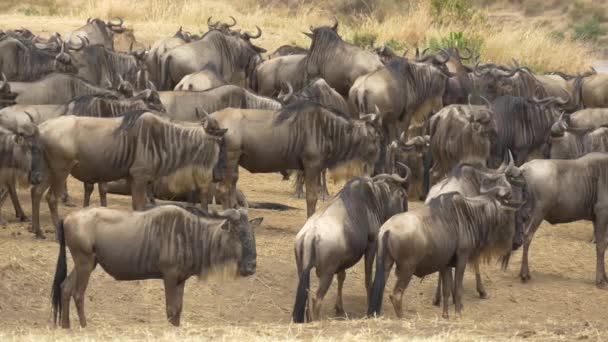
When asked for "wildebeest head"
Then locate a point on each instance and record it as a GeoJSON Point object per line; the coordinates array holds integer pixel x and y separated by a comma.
{"type": "Point", "coordinates": [494, 81]}
{"type": "Point", "coordinates": [480, 121]}
{"type": "Point", "coordinates": [241, 239]}
{"type": "Point", "coordinates": [369, 131]}
{"type": "Point", "coordinates": [397, 189]}
{"type": "Point", "coordinates": [222, 27]}
{"type": "Point", "coordinates": [151, 99]}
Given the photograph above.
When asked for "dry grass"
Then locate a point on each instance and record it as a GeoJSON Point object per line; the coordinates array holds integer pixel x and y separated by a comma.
{"type": "Point", "coordinates": [413, 26]}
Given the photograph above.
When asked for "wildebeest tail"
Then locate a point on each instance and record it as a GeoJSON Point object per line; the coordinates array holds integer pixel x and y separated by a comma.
{"type": "Point", "coordinates": [222, 161]}
{"type": "Point", "coordinates": [299, 308]}
{"type": "Point", "coordinates": [61, 271]}
{"type": "Point", "coordinates": [164, 74]}
{"type": "Point", "coordinates": [426, 177]}
{"type": "Point", "coordinates": [375, 298]}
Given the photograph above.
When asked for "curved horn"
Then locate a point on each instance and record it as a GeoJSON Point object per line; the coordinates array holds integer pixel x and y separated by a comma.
{"type": "Point", "coordinates": [445, 53]}
{"type": "Point", "coordinates": [334, 27]}
{"type": "Point", "coordinates": [479, 72]}
{"type": "Point", "coordinates": [408, 172]}
{"type": "Point", "coordinates": [231, 214]}
{"type": "Point", "coordinates": [210, 24]}
{"type": "Point", "coordinates": [486, 101]}
{"type": "Point", "coordinates": [83, 43]}
{"type": "Point", "coordinates": [233, 22]}
{"type": "Point", "coordinates": [88, 20]}
{"type": "Point", "coordinates": [117, 20]}
{"type": "Point", "coordinates": [465, 58]}
{"type": "Point", "coordinates": [29, 116]}
{"type": "Point", "coordinates": [258, 35]}
{"type": "Point", "coordinates": [402, 137]}
{"type": "Point", "coordinates": [4, 82]}
{"type": "Point", "coordinates": [405, 52]}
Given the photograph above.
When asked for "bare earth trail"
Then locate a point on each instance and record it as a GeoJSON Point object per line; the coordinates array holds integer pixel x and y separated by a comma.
{"type": "Point", "coordinates": [560, 302]}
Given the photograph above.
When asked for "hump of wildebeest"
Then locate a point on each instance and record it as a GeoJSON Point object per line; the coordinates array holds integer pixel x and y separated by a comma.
{"type": "Point", "coordinates": [109, 105]}
{"type": "Point", "coordinates": [286, 50]}
{"type": "Point", "coordinates": [98, 32]}
{"type": "Point", "coordinates": [319, 91]}
{"type": "Point", "coordinates": [25, 62]}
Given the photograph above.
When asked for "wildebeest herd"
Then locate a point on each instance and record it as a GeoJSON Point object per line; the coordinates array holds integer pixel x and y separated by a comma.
{"type": "Point", "coordinates": [177, 120]}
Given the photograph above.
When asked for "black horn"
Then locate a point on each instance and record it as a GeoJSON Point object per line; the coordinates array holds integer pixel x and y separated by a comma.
{"type": "Point", "coordinates": [233, 22]}
{"type": "Point", "coordinates": [334, 27]}
{"type": "Point", "coordinates": [258, 35]}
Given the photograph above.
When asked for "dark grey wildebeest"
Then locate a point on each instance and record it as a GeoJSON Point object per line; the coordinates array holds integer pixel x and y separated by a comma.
{"type": "Point", "coordinates": [334, 239]}
{"type": "Point", "coordinates": [154, 56]}
{"type": "Point", "coordinates": [20, 162]}
{"type": "Point", "coordinates": [470, 181]}
{"type": "Point", "coordinates": [140, 146]}
{"type": "Point", "coordinates": [449, 232]}
{"type": "Point", "coordinates": [55, 88]}
{"type": "Point", "coordinates": [270, 76]}
{"type": "Point", "coordinates": [227, 55]}
{"type": "Point", "coordinates": [302, 136]}
{"type": "Point", "coordinates": [336, 61]}
{"type": "Point", "coordinates": [410, 153]}
{"type": "Point", "coordinates": [104, 67]}
{"type": "Point", "coordinates": [167, 242]}
{"type": "Point", "coordinates": [192, 105]}
{"type": "Point", "coordinates": [585, 180]}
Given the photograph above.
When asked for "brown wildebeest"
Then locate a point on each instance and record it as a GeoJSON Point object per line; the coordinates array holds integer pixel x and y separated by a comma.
{"type": "Point", "coordinates": [302, 136]}
{"type": "Point", "coordinates": [410, 153]}
{"type": "Point", "coordinates": [585, 180]}
{"type": "Point", "coordinates": [335, 239]}
{"type": "Point", "coordinates": [450, 231]}
{"type": "Point", "coordinates": [167, 242]}
{"type": "Point", "coordinates": [140, 146]}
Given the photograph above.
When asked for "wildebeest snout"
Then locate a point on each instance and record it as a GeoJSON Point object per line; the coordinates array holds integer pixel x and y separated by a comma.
{"type": "Point", "coordinates": [35, 177]}
{"type": "Point", "coordinates": [248, 268]}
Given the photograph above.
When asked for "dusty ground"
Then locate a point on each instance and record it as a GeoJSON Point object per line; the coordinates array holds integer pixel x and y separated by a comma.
{"type": "Point", "coordinates": [561, 301]}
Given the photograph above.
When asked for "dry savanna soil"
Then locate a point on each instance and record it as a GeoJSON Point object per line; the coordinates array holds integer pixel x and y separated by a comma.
{"type": "Point", "coordinates": [560, 302]}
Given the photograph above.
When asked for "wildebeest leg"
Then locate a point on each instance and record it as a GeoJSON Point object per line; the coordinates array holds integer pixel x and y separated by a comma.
{"type": "Point", "coordinates": [339, 305]}
{"type": "Point", "coordinates": [83, 266]}
{"type": "Point", "coordinates": [203, 192]}
{"type": "Point", "coordinates": [138, 194]}
{"type": "Point", "coordinates": [524, 273]}
{"type": "Point", "coordinates": [36, 192]}
{"type": "Point", "coordinates": [67, 288]}
{"type": "Point", "coordinates": [174, 295]}
{"type": "Point", "coordinates": [2, 199]}
{"type": "Point", "coordinates": [312, 183]}
{"type": "Point", "coordinates": [57, 187]}
{"type": "Point", "coordinates": [370, 253]}
{"type": "Point", "coordinates": [88, 190]}
{"type": "Point", "coordinates": [480, 288]}
{"type": "Point", "coordinates": [437, 299]}
{"type": "Point", "coordinates": [65, 197]}
{"type": "Point", "coordinates": [285, 175]}
{"type": "Point", "coordinates": [19, 213]}
{"type": "Point", "coordinates": [324, 283]}
{"type": "Point", "coordinates": [404, 275]}
{"type": "Point", "coordinates": [445, 277]}
{"type": "Point", "coordinates": [599, 229]}
{"type": "Point", "coordinates": [299, 194]}
{"type": "Point", "coordinates": [103, 193]}
{"type": "Point", "coordinates": [323, 186]}
{"type": "Point", "coordinates": [458, 283]}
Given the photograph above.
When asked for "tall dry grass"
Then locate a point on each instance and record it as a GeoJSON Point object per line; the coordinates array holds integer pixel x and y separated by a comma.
{"type": "Point", "coordinates": [411, 24]}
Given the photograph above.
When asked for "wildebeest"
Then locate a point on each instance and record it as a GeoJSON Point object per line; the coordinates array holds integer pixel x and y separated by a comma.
{"type": "Point", "coordinates": [492, 82]}
{"type": "Point", "coordinates": [459, 134]}
{"type": "Point", "coordinates": [522, 125]}
{"type": "Point", "coordinates": [402, 92]}
{"type": "Point", "coordinates": [302, 136]}
{"type": "Point", "coordinates": [410, 153]}
{"type": "Point", "coordinates": [192, 105]}
{"type": "Point", "coordinates": [226, 55]}
{"type": "Point", "coordinates": [572, 144]}
{"type": "Point", "coordinates": [154, 56]}
{"type": "Point", "coordinates": [594, 91]}
{"type": "Point", "coordinates": [98, 32]}
{"type": "Point", "coordinates": [167, 242]}
{"type": "Point", "coordinates": [335, 239]}
{"type": "Point", "coordinates": [55, 88]}
{"type": "Point", "coordinates": [20, 162]}
{"type": "Point", "coordinates": [336, 61]}
{"type": "Point", "coordinates": [200, 81]}
{"type": "Point", "coordinates": [469, 180]}
{"type": "Point", "coordinates": [270, 76]}
{"type": "Point", "coordinates": [19, 62]}
{"type": "Point", "coordinates": [459, 85]}
{"type": "Point", "coordinates": [140, 146]}
{"type": "Point", "coordinates": [449, 232]}
{"type": "Point", "coordinates": [104, 67]}
{"type": "Point", "coordinates": [585, 181]}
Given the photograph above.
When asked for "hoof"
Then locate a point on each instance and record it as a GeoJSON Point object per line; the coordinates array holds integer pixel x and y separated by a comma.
{"type": "Point", "coordinates": [299, 195]}
{"type": "Point", "coordinates": [445, 315]}
{"type": "Point", "coordinates": [3, 222]}
{"type": "Point", "coordinates": [340, 312]}
{"type": "Point", "coordinates": [68, 203]}
{"type": "Point", "coordinates": [483, 295]}
{"type": "Point", "coordinates": [40, 236]}
{"type": "Point", "coordinates": [525, 278]}
{"type": "Point", "coordinates": [24, 219]}
{"type": "Point", "coordinates": [437, 301]}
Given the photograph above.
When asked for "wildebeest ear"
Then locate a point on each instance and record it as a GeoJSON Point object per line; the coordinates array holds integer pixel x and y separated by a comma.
{"type": "Point", "coordinates": [256, 222]}
{"type": "Point", "coordinates": [309, 35]}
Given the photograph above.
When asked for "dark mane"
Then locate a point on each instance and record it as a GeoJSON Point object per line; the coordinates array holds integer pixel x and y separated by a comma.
{"type": "Point", "coordinates": [323, 45]}
{"type": "Point", "coordinates": [129, 119]}
{"type": "Point", "coordinates": [302, 107]}
{"type": "Point", "coordinates": [324, 97]}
